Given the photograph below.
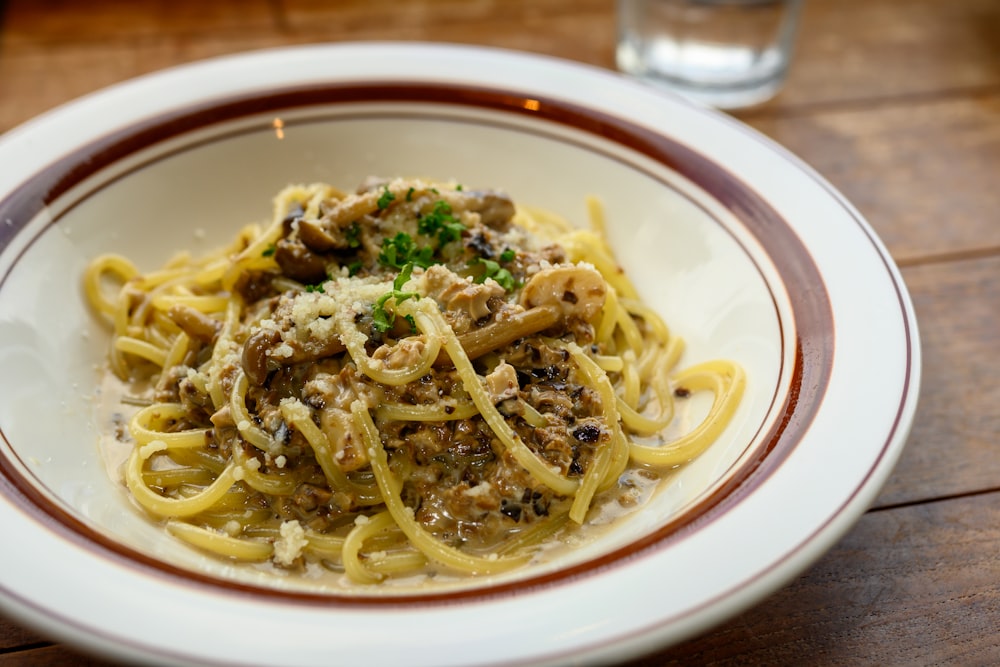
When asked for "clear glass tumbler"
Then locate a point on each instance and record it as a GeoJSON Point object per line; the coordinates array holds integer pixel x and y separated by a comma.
{"type": "Point", "coordinates": [725, 53]}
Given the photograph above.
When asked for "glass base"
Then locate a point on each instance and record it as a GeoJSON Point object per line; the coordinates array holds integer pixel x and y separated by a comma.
{"type": "Point", "coordinates": [721, 98]}
{"type": "Point", "coordinates": [729, 78]}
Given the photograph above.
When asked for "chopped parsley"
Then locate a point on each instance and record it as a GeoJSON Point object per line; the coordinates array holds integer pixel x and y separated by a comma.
{"type": "Point", "coordinates": [382, 320]}
{"type": "Point", "coordinates": [269, 251]}
{"type": "Point", "coordinates": [401, 250]}
{"type": "Point", "coordinates": [493, 270]}
{"type": "Point", "coordinates": [318, 287]}
{"type": "Point", "coordinates": [409, 193]}
{"type": "Point", "coordinates": [385, 199]}
{"type": "Point", "coordinates": [508, 255]}
{"type": "Point", "coordinates": [402, 278]}
{"type": "Point", "coordinates": [354, 267]}
{"type": "Point", "coordinates": [353, 234]}
{"type": "Point", "coordinates": [440, 223]}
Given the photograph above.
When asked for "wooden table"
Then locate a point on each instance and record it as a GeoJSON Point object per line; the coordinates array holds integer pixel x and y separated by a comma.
{"type": "Point", "coordinates": [896, 102]}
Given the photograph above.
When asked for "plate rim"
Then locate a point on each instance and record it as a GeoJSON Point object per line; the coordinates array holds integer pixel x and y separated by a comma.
{"type": "Point", "coordinates": [893, 445]}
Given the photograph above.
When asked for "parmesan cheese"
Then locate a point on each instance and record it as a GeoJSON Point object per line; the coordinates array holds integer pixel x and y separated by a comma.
{"type": "Point", "coordinates": [283, 351]}
{"type": "Point", "coordinates": [289, 545]}
{"type": "Point", "coordinates": [482, 489]}
{"type": "Point", "coordinates": [296, 408]}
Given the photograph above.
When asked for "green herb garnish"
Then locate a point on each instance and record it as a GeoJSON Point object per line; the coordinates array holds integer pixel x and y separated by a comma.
{"type": "Point", "coordinates": [269, 251]}
{"type": "Point", "coordinates": [441, 223]}
{"type": "Point", "coordinates": [385, 199]}
{"type": "Point", "coordinates": [508, 255]}
{"type": "Point", "coordinates": [318, 287]}
{"type": "Point", "coordinates": [493, 270]}
{"type": "Point", "coordinates": [382, 320]}
{"type": "Point", "coordinates": [353, 234]}
{"type": "Point", "coordinates": [402, 278]}
{"type": "Point", "coordinates": [400, 250]}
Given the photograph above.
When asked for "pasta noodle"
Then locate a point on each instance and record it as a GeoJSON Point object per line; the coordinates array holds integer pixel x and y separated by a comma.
{"type": "Point", "coordinates": [408, 378]}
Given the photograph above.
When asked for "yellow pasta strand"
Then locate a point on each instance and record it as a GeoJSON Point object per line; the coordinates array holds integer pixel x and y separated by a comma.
{"type": "Point", "coordinates": [422, 540]}
{"type": "Point", "coordinates": [602, 474]}
{"type": "Point", "coordinates": [174, 507]}
{"type": "Point", "coordinates": [147, 425]}
{"type": "Point", "coordinates": [112, 267]}
{"type": "Point", "coordinates": [393, 376]}
{"type": "Point", "coordinates": [204, 304]}
{"type": "Point", "coordinates": [297, 415]}
{"type": "Point", "coordinates": [542, 471]}
{"type": "Point", "coordinates": [426, 413]}
{"type": "Point", "coordinates": [208, 482]}
{"type": "Point", "coordinates": [354, 542]}
{"type": "Point", "coordinates": [219, 543]}
{"type": "Point", "coordinates": [253, 434]}
{"type": "Point", "coordinates": [141, 348]}
{"type": "Point", "coordinates": [727, 381]}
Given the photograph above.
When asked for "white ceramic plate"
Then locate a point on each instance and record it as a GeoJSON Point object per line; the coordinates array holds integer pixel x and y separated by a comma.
{"type": "Point", "coordinates": [746, 252]}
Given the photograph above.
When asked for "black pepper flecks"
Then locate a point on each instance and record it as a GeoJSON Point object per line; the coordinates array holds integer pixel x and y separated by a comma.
{"type": "Point", "coordinates": [588, 433]}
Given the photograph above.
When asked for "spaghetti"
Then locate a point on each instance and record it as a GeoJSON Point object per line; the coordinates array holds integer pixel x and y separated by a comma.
{"type": "Point", "coordinates": [409, 376]}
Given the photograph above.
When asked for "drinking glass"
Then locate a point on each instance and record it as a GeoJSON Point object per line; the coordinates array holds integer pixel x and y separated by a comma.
{"type": "Point", "coordinates": [725, 53]}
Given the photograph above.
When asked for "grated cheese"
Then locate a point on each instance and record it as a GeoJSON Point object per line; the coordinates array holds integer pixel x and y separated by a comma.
{"type": "Point", "coordinates": [289, 546]}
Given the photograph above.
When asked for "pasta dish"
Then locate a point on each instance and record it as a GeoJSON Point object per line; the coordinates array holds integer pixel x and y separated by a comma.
{"type": "Point", "coordinates": [410, 377]}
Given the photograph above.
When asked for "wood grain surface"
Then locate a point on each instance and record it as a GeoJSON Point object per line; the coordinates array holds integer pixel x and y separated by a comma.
{"type": "Point", "coordinates": [896, 102]}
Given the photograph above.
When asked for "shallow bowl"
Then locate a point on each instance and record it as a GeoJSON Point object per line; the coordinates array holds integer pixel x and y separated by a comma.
{"type": "Point", "coordinates": [746, 252]}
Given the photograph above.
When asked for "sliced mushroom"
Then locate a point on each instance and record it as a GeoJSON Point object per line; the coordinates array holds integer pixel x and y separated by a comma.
{"type": "Point", "coordinates": [254, 360]}
{"type": "Point", "coordinates": [315, 238]}
{"type": "Point", "coordinates": [495, 335]}
{"type": "Point", "coordinates": [495, 209]}
{"type": "Point", "coordinates": [194, 323]}
{"type": "Point", "coordinates": [299, 262]}
{"type": "Point", "coordinates": [313, 349]}
{"type": "Point", "coordinates": [577, 290]}
{"type": "Point", "coordinates": [257, 360]}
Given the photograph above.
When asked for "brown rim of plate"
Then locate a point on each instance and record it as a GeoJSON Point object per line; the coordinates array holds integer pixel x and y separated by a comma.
{"type": "Point", "coordinates": [811, 310]}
